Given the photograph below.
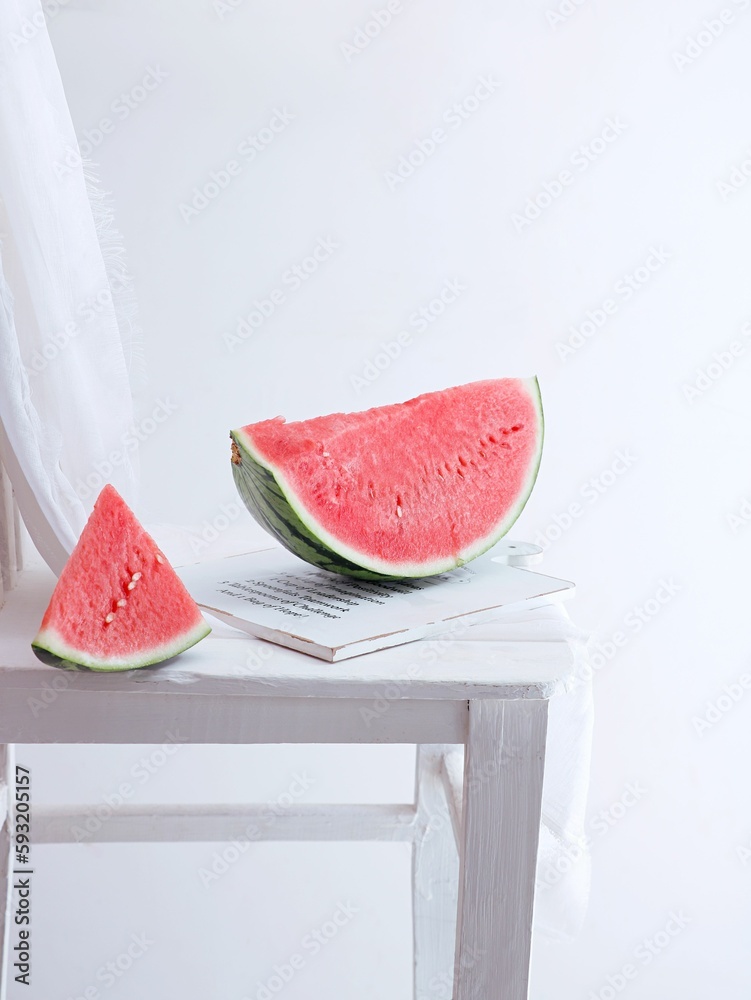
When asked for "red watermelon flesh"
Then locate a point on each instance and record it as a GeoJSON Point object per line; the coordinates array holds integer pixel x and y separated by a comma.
{"type": "Point", "coordinates": [410, 489]}
{"type": "Point", "coordinates": [118, 603]}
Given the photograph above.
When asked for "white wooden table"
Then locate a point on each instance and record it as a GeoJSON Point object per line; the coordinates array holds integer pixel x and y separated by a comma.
{"type": "Point", "coordinates": [473, 893]}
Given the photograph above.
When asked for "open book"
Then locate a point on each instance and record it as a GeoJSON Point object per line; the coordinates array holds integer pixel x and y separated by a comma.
{"type": "Point", "coordinates": [273, 595]}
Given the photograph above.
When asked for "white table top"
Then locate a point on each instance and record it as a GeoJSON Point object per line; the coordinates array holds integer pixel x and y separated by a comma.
{"type": "Point", "coordinates": [526, 657]}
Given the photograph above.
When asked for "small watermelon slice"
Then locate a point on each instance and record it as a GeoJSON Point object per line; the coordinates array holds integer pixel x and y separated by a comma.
{"type": "Point", "coordinates": [118, 603]}
{"type": "Point", "coordinates": [408, 490]}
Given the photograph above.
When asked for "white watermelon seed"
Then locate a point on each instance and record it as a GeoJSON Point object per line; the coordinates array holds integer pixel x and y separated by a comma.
{"type": "Point", "coordinates": [121, 603]}
{"type": "Point", "coordinates": [110, 618]}
{"type": "Point", "coordinates": [159, 557]}
{"type": "Point", "coordinates": [398, 511]}
{"type": "Point", "coordinates": [131, 586]}
{"type": "Point", "coordinates": [136, 576]}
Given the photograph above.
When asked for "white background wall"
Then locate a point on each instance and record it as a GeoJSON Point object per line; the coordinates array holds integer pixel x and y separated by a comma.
{"type": "Point", "coordinates": [684, 128]}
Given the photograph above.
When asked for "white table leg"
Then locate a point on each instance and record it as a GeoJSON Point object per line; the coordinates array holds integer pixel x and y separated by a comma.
{"type": "Point", "coordinates": [9, 563]}
{"type": "Point", "coordinates": [501, 826]}
{"type": "Point", "coordinates": [6, 786]}
{"type": "Point", "coordinates": [435, 867]}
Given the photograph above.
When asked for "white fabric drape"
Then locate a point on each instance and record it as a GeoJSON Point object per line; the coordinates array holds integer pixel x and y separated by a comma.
{"type": "Point", "coordinates": [547, 634]}
{"type": "Point", "coordinates": [65, 395]}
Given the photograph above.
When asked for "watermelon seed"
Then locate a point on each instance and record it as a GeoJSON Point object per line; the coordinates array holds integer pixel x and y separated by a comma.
{"type": "Point", "coordinates": [131, 586]}
{"type": "Point", "coordinates": [121, 603]}
{"type": "Point", "coordinates": [398, 511]}
{"type": "Point", "coordinates": [159, 557]}
{"type": "Point", "coordinates": [136, 576]}
{"type": "Point", "coordinates": [110, 618]}
{"type": "Point", "coordinates": [492, 439]}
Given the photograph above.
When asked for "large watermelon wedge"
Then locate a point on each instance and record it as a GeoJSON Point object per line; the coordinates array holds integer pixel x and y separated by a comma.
{"type": "Point", "coordinates": [118, 603]}
{"type": "Point", "coordinates": [407, 490]}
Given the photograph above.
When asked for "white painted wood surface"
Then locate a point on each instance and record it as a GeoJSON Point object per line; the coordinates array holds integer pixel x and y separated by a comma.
{"type": "Point", "coordinates": [503, 775]}
{"type": "Point", "coordinates": [435, 870]}
{"type": "Point", "coordinates": [6, 785]}
{"type": "Point", "coordinates": [452, 777]}
{"type": "Point", "coordinates": [207, 823]}
{"type": "Point", "coordinates": [443, 668]}
{"type": "Point", "coordinates": [77, 715]}
{"type": "Point", "coordinates": [10, 537]}
{"type": "Point", "coordinates": [486, 695]}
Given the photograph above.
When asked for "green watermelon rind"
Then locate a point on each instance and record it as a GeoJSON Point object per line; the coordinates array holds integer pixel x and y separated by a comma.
{"type": "Point", "coordinates": [52, 649]}
{"type": "Point", "coordinates": [265, 500]}
{"type": "Point", "coordinates": [274, 505]}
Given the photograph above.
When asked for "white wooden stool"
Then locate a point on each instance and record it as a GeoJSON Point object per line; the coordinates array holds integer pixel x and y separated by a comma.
{"type": "Point", "coordinates": [473, 893]}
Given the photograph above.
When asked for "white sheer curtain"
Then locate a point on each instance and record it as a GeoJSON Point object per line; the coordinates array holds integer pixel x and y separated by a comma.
{"type": "Point", "coordinates": [66, 405]}
{"type": "Point", "coordinates": [65, 395]}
